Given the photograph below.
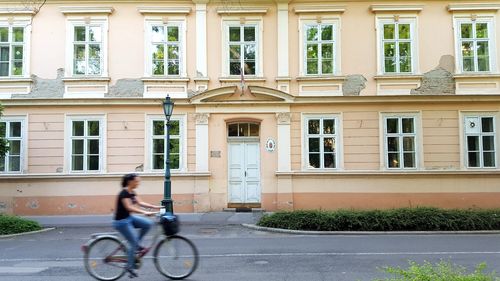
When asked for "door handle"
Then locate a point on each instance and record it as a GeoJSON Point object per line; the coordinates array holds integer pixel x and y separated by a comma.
{"type": "Point", "coordinates": [245, 174]}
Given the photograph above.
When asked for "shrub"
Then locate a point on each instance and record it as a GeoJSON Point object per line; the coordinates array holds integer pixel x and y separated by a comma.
{"type": "Point", "coordinates": [403, 219]}
{"type": "Point", "coordinates": [13, 224]}
{"type": "Point", "coordinates": [442, 271]}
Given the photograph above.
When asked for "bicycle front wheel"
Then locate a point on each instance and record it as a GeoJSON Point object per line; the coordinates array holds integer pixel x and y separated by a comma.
{"type": "Point", "coordinates": [176, 257]}
{"type": "Point", "coordinates": [106, 258]}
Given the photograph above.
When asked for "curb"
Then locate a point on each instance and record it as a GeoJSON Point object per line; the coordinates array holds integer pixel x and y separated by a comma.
{"type": "Point", "coordinates": [307, 232]}
{"type": "Point", "coordinates": [26, 233]}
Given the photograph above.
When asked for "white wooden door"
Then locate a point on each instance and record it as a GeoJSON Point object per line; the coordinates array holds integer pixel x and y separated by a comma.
{"type": "Point", "coordinates": [244, 172]}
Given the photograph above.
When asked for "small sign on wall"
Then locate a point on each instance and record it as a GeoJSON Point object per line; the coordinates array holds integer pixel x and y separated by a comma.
{"type": "Point", "coordinates": [215, 154]}
{"type": "Point", "coordinates": [270, 145]}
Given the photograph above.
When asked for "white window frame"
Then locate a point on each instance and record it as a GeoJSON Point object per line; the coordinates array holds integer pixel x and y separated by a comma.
{"type": "Point", "coordinates": [23, 146]}
{"type": "Point", "coordinates": [102, 143]}
{"type": "Point", "coordinates": [417, 137]}
{"type": "Point", "coordinates": [464, 146]}
{"type": "Point", "coordinates": [182, 145]}
{"type": "Point", "coordinates": [332, 20]}
{"type": "Point", "coordinates": [338, 143]}
{"type": "Point", "coordinates": [411, 19]}
{"type": "Point", "coordinates": [458, 19]}
{"type": "Point", "coordinates": [26, 24]}
{"type": "Point", "coordinates": [233, 22]}
{"type": "Point", "coordinates": [71, 22]}
{"type": "Point", "coordinates": [148, 62]}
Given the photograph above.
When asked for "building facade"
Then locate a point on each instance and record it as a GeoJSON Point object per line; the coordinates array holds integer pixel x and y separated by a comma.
{"type": "Point", "coordinates": [279, 105]}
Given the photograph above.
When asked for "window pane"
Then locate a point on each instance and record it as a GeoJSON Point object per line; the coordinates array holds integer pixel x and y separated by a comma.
{"type": "Point", "coordinates": [483, 63]}
{"type": "Point", "coordinates": [487, 124]}
{"type": "Point", "coordinates": [158, 146]}
{"type": "Point", "coordinates": [329, 160]}
{"type": "Point", "coordinates": [312, 33]}
{"type": "Point", "coordinates": [254, 130]}
{"type": "Point", "coordinates": [4, 34]}
{"type": "Point", "coordinates": [80, 33]}
{"type": "Point", "coordinates": [312, 51]}
{"type": "Point", "coordinates": [4, 53]}
{"type": "Point", "coordinates": [77, 147]}
{"type": "Point", "coordinates": [489, 159]}
{"type": "Point", "coordinates": [389, 57]}
{"type": "Point", "coordinates": [473, 159]}
{"type": "Point", "coordinates": [327, 51]}
{"type": "Point", "coordinates": [18, 34]}
{"type": "Point", "coordinates": [405, 64]}
{"type": "Point", "coordinates": [466, 30]}
{"type": "Point", "coordinates": [94, 51]}
{"type": "Point", "coordinates": [235, 68]}
{"type": "Point", "coordinates": [77, 163]}
{"type": "Point", "coordinates": [173, 67]}
{"type": "Point", "coordinates": [481, 30]}
{"type": "Point", "coordinates": [3, 129]}
{"type": "Point", "coordinates": [314, 160]}
{"type": "Point", "coordinates": [174, 161]}
{"type": "Point", "coordinates": [472, 143]}
{"type": "Point", "coordinates": [93, 128]}
{"type": "Point", "coordinates": [483, 56]}
{"type": "Point", "coordinates": [174, 127]}
{"type": "Point", "coordinates": [15, 129]}
{"type": "Point", "coordinates": [408, 126]}
{"type": "Point", "coordinates": [392, 125]}
{"type": "Point", "coordinates": [158, 52]}
{"type": "Point", "coordinates": [14, 163]}
{"type": "Point", "coordinates": [158, 128]}
{"type": "Point", "coordinates": [405, 49]}
{"type": "Point", "coordinates": [78, 128]}
{"type": "Point", "coordinates": [95, 66]}
{"type": "Point", "coordinates": [4, 69]}
{"type": "Point", "coordinates": [313, 144]}
{"type": "Point", "coordinates": [392, 144]}
{"type": "Point", "coordinates": [95, 34]}
{"type": "Point", "coordinates": [2, 163]}
{"type": "Point", "coordinates": [93, 147]}
{"type": "Point", "coordinates": [393, 160]}
{"type": "Point", "coordinates": [14, 147]}
{"type": "Point", "coordinates": [488, 143]}
{"type": "Point", "coordinates": [249, 52]}
{"type": "Point", "coordinates": [234, 34]}
{"type": "Point", "coordinates": [79, 67]}
{"type": "Point", "coordinates": [249, 34]}
{"type": "Point", "coordinates": [173, 52]}
{"type": "Point", "coordinates": [173, 33]}
{"type": "Point", "coordinates": [18, 52]}
{"type": "Point", "coordinates": [174, 146]}
{"type": "Point", "coordinates": [312, 67]}
{"type": "Point", "coordinates": [327, 32]}
{"type": "Point", "coordinates": [157, 33]}
{"type": "Point", "coordinates": [234, 52]}
{"type": "Point", "coordinates": [328, 126]}
{"type": "Point", "coordinates": [327, 67]}
{"type": "Point", "coordinates": [313, 127]}
{"type": "Point", "coordinates": [158, 68]}
{"type": "Point", "coordinates": [404, 31]}
{"type": "Point", "coordinates": [328, 145]}
{"type": "Point", "coordinates": [232, 130]}
{"type": "Point", "coordinates": [158, 161]}
{"type": "Point", "coordinates": [468, 56]}
{"type": "Point", "coordinates": [409, 160]}
{"type": "Point", "coordinates": [243, 130]}
{"type": "Point", "coordinates": [93, 163]}
{"type": "Point", "coordinates": [408, 144]}
{"type": "Point", "coordinates": [389, 31]}
{"type": "Point", "coordinates": [249, 67]}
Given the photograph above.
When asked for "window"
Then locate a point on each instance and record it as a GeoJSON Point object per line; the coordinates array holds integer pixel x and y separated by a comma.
{"type": "Point", "coordinates": [321, 142]}
{"type": "Point", "coordinates": [243, 130]}
{"type": "Point", "coordinates": [242, 48]}
{"type": "Point", "coordinates": [475, 45]}
{"type": "Point", "coordinates": [400, 142]}
{"type": "Point", "coordinates": [13, 50]}
{"type": "Point", "coordinates": [480, 141]}
{"type": "Point", "coordinates": [165, 41]}
{"type": "Point", "coordinates": [158, 148]}
{"type": "Point", "coordinates": [397, 45]}
{"type": "Point", "coordinates": [87, 44]}
{"type": "Point", "coordinates": [12, 130]}
{"type": "Point", "coordinates": [319, 48]}
{"type": "Point", "coordinates": [86, 144]}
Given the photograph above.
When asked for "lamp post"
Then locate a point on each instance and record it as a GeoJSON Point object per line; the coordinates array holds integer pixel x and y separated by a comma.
{"type": "Point", "coordinates": [168, 107]}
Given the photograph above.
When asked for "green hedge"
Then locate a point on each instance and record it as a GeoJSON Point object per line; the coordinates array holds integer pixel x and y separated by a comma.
{"type": "Point", "coordinates": [12, 224]}
{"type": "Point", "coordinates": [442, 271]}
{"type": "Point", "coordinates": [404, 219]}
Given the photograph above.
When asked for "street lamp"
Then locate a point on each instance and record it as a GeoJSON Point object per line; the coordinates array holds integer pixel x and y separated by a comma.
{"type": "Point", "coordinates": [168, 107]}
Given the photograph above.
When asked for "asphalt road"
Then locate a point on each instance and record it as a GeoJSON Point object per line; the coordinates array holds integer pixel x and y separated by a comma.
{"type": "Point", "coordinates": [232, 252]}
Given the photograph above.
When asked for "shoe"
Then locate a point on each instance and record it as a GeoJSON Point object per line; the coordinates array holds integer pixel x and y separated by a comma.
{"type": "Point", "coordinates": [140, 249]}
{"type": "Point", "coordinates": [132, 273]}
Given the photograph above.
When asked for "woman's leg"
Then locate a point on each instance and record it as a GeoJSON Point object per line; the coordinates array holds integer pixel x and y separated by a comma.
{"type": "Point", "coordinates": [143, 224]}
{"type": "Point", "coordinates": [125, 227]}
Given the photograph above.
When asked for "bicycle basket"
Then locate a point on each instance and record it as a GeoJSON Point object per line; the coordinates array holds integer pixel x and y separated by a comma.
{"type": "Point", "coordinates": [170, 224]}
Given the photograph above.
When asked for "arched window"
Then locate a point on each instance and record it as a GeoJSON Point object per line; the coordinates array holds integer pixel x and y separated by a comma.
{"type": "Point", "coordinates": [243, 130]}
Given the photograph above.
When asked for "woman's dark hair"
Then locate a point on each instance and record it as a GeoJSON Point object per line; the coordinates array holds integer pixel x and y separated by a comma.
{"type": "Point", "coordinates": [128, 177]}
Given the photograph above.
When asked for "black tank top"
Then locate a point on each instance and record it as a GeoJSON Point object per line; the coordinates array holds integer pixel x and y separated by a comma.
{"type": "Point", "coordinates": [121, 211]}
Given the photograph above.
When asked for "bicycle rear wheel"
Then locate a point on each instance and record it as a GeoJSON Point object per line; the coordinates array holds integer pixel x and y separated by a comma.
{"type": "Point", "coordinates": [176, 257]}
{"type": "Point", "coordinates": [106, 259]}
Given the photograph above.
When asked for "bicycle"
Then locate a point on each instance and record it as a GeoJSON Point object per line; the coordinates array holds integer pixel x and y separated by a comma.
{"type": "Point", "coordinates": [175, 256]}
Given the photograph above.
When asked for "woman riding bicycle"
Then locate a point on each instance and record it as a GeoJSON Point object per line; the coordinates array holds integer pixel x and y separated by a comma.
{"type": "Point", "coordinates": [128, 202]}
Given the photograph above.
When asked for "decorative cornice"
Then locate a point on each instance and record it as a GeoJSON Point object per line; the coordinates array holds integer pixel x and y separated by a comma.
{"type": "Point", "coordinates": [238, 79]}
{"type": "Point", "coordinates": [164, 10]}
{"type": "Point", "coordinates": [242, 10]}
{"type": "Point", "coordinates": [397, 77]}
{"type": "Point", "coordinates": [165, 79]}
{"type": "Point", "coordinates": [396, 8]}
{"type": "Point", "coordinates": [86, 79]}
{"type": "Point", "coordinates": [319, 9]}
{"type": "Point", "coordinates": [320, 78]}
{"type": "Point", "coordinates": [86, 10]}
{"type": "Point", "coordinates": [17, 11]}
{"type": "Point", "coordinates": [473, 7]}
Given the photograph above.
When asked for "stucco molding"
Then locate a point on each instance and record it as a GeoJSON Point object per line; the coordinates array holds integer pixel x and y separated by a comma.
{"type": "Point", "coordinates": [320, 78]}
{"type": "Point", "coordinates": [397, 77]}
{"type": "Point", "coordinates": [241, 10]}
{"type": "Point", "coordinates": [459, 7]}
{"type": "Point", "coordinates": [164, 10]}
{"type": "Point", "coordinates": [376, 8]}
{"type": "Point", "coordinates": [17, 11]}
{"type": "Point", "coordinates": [319, 9]}
{"type": "Point", "coordinates": [85, 10]}
{"type": "Point", "coordinates": [202, 118]}
{"type": "Point", "coordinates": [165, 79]}
{"type": "Point", "coordinates": [284, 118]}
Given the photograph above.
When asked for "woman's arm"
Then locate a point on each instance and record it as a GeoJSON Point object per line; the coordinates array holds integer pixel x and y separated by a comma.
{"type": "Point", "coordinates": [127, 202]}
{"type": "Point", "coordinates": [147, 205]}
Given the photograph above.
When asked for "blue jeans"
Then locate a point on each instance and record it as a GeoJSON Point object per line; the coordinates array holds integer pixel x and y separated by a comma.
{"type": "Point", "coordinates": [127, 228]}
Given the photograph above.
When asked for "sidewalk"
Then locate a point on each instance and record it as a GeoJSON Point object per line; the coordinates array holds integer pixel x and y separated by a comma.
{"type": "Point", "coordinates": [212, 218]}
